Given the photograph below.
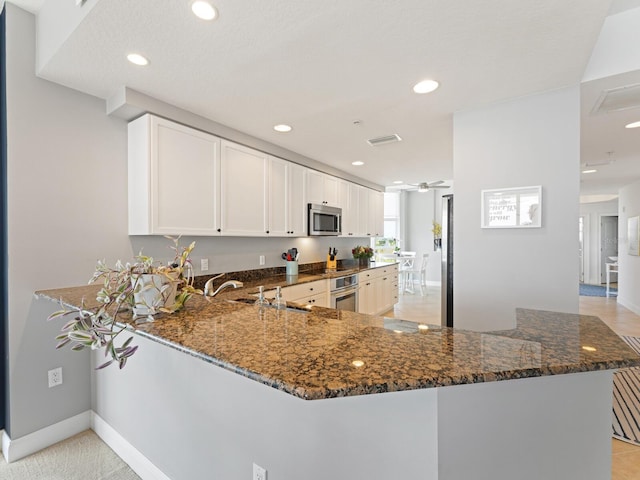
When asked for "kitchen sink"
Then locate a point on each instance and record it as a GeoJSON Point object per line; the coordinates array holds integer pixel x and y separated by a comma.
{"type": "Point", "coordinates": [252, 301]}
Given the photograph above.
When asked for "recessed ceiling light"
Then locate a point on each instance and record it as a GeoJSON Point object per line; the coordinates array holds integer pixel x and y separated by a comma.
{"type": "Point", "coordinates": [204, 10]}
{"type": "Point", "coordinates": [282, 128]}
{"type": "Point", "coordinates": [632, 125]}
{"type": "Point", "coordinates": [425, 86]}
{"type": "Point", "coordinates": [357, 163]}
{"type": "Point", "coordinates": [137, 59]}
{"type": "Point", "coordinates": [398, 182]}
{"type": "Point", "coordinates": [589, 171]}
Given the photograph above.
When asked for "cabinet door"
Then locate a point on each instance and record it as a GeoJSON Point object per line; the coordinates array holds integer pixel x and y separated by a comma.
{"type": "Point", "coordinates": [364, 229]}
{"type": "Point", "coordinates": [322, 189]}
{"type": "Point", "coordinates": [278, 197]}
{"type": "Point", "coordinates": [315, 187]}
{"type": "Point", "coordinates": [164, 159]}
{"type": "Point", "coordinates": [331, 190]}
{"type": "Point", "coordinates": [243, 191]}
{"type": "Point", "coordinates": [376, 213]}
{"type": "Point", "coordinates": [297, 208]}
{"type": "Point", "coordinates": [343, 203]}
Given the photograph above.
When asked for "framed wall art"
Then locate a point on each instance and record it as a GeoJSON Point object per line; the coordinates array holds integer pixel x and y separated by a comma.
{"type": "Point", "coordinates": [519, 207]}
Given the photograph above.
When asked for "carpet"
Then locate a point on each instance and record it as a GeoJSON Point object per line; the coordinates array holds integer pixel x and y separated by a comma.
{"type": "Point", "coordinates": [596, 291]}
{"type": "Point", "coordinates": [81, 457]}
{"type": "Point", "coordinates": [626, 400]}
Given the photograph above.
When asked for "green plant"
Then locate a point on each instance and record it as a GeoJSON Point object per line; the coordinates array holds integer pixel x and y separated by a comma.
{"type": "Point", "coordinates": [124, 290]}
{"type": "Point", "coordinates": [436, 230]}
{"type": "Point", "coordinates": [360, 251]}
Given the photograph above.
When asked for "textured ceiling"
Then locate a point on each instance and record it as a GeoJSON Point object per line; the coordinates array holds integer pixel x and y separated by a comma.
{"type": "Point", "coordinates": [321, 66]}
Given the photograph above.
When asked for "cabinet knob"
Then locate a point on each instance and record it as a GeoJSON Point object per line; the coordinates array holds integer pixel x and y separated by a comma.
{"type": "Point", "coordinates": [267, 231]}
{"type": "Point", "coordinates": [311, 289]}
{"type": "Point", "coordinates": [219, 230]}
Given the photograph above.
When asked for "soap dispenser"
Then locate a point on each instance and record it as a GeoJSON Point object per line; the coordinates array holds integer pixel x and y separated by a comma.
{"type": "Point", "coordinates": [279, 302]}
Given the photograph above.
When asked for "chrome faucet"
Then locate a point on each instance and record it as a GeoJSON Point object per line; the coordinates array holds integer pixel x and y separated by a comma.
{"type": "Point", "coordinates": [229, 283]}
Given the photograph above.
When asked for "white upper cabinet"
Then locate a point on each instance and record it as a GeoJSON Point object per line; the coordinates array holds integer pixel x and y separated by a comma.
{"type": "Point", "coordinates": [363, 229]}
{"type": "Point", "coordinates": [186, 182]}
{"type": "Point", "coordinates": [376, 213]}
{"type": "Point", "coordinates": [322, 189]}
{"type": "Point", "coordinates": [165, 160]}
{"type": "Point", "coordinates": [348, 194]}
{"type": "Point", "coordinates": [296, 208]}
{"type": "Point", "coordinates": [243, 190]}
{"type": "Point", "coordinates": [286, 199]}
{"type": "Point", "coordinates": [278, 221]}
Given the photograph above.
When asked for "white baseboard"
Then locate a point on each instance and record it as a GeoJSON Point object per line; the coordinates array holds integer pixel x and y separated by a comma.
{"type": "Point", "coordinates": [630, 305]}
{"type": "Point", "coordinates": [21, 447]}
{"type": "Point", "coordinates": [127, 452]}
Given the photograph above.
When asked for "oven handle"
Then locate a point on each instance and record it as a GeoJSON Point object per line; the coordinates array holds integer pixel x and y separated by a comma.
{"type": "Point", "coordinates": [345, 291]}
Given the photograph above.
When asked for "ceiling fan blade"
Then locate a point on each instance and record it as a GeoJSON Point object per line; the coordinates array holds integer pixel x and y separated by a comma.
{"type": "Point", "coordinates": [432, 184]}
{"type": "Point", "coordinates": [438, 186]}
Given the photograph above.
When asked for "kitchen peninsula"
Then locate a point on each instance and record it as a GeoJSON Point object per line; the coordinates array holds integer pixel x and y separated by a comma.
{"type": "Point", "coordinates": [222, 384]}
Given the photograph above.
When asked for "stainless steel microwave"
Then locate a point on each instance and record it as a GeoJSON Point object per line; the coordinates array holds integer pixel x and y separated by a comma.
{"type": "Point", "coordinates": [324, 220]}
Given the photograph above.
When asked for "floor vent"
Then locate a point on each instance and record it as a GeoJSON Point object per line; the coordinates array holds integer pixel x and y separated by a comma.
{"type": "Point", "coordinates": [374, 142]}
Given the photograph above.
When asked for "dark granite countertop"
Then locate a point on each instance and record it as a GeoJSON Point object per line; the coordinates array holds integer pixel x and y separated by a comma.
{"type": "Point", "coordinates": [328, 353]}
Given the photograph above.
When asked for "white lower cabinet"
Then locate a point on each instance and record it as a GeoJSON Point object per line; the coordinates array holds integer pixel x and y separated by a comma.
{"type": "Point", "coordinates": [378, 289]}
{"type": "Point", "coordinates": [310, 293]}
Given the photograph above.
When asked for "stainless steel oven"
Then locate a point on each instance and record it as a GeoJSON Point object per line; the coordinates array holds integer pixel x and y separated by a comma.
{"type": "Point", "coordinates": [324, 220]}
{"type": "Point", "coordinates": [344, 293]}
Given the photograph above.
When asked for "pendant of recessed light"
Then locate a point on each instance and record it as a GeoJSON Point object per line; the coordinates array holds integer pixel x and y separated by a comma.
{"type": "Point", "coordinates": [204, 10]}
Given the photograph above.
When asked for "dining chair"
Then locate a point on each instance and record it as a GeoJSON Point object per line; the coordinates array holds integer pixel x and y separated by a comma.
{"type": "Point", "coordinates": [406, 260]}
{"type": "Point", "coordinates": [421, 273]}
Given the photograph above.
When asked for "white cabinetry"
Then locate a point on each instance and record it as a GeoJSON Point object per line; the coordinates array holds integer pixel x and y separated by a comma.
{"type": "Point", "coordinates": [232, 189]}
{"type": "Point", "coordinates": [287, 214]}
{"type": "Point", "coordinates": [165, 159]}
{"type": "Point", "coordinates": [243, 191]}
{"type": "Point", "coordinates": [348, 201]}
{"type": "Point", "coordinates": [376, 213]}
{"type": "Point", "coordinates": [378, 289]}
{"type": "Point", "coordinates": [370, 213]}
{"type": "Point", "coordinates": [296, 207]}
{"type": "Point", "coordinates": [310, 293]}
{"type": "Point", "coordinates": [322, 189]}
{"type": "Point", "coordinates": [277, 223]}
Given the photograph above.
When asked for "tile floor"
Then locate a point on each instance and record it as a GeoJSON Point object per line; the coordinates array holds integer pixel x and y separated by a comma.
{"type": "Point", "coordinates": [625, 457]}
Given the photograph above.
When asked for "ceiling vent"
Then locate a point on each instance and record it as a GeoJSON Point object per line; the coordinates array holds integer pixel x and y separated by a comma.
{"type": "Point", "coordinates": [618, 99]}
{"type": "Point", "coordinates": [374, 142]}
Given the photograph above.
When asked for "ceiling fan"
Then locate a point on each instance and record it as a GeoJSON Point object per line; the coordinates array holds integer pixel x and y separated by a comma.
{"type": "Point", "coordinates": [426, 186]}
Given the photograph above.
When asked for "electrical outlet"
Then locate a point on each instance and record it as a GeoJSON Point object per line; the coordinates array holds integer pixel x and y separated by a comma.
{"type": "Point", "coordinates": [204, 264]}
{"type": "Point", "coordinates": [259, 473]}
{"type": "Point", "coordinates": [261, 259]}
{"type": "Point", "coordinates": [55, 377]}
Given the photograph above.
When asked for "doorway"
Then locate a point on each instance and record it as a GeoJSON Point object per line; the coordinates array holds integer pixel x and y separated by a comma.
{"type": "Point", "coordinates": [608, 245]}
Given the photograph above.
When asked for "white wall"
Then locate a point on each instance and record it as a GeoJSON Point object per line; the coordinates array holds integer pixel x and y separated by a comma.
{"type": "Point", "coordinates": [592, 213]}
{"type": "Point", "coordinates": [66, 205]}
{"type": "Point", "coordinates": [628, 265]}
{"type": "Point", "coordinates": [529, 141]}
